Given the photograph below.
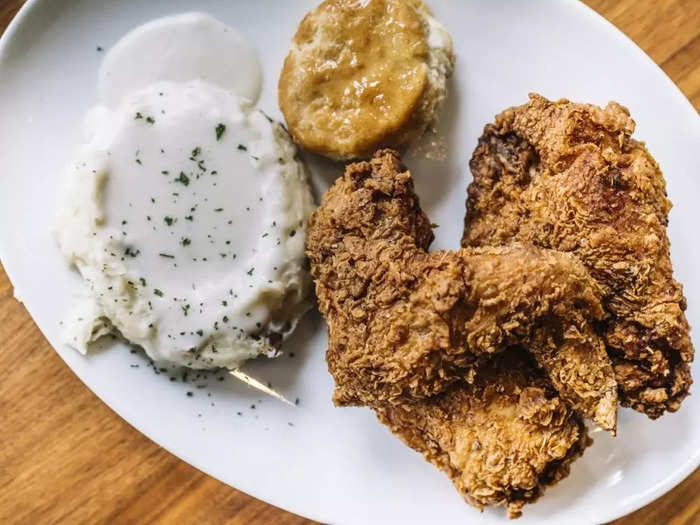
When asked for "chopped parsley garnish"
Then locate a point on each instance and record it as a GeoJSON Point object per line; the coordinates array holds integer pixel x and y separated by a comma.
{"type": "Point", "coordinates": [220, 129]}
{"type": "Point", "coordinates": [169, 220]}
{"type": "Point", "coordinates": [182, 178]}
{"type": "Point", "coordinates": [167, 255]}
{"type": "Point", "coordinates": [196, 151]}
{"type": "Point", "coordinates": [242, 147]}
{"type": "Point", "coordinates": [218, 209]}
{"type": "Point", "coordinates": [250, 272]}
{"type": "Point", "coordinates": [150, 120]}
{"type": "Point", "coordinates": [200, 333]}
{"type": "Point", "coordinates": [143, 281]}
{"type": "Point", "coordinates": [158, 292]}
{"type": "Point", "coordinates": [189, 218]}
{"type": "Point", "coordinates": [185, 241]}
{"type": "Point", "coordinates": [138, 115]}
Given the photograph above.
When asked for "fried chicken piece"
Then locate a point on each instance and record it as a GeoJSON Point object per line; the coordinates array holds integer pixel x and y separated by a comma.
{"type": "Point", "coordinates": [501, 440]}
{"type": "Point", "coordinates": [426, 339]}
{"type": "Point", "coordinates": [570, 177]}
{"type": "Point", "coordinates": [405, 324]}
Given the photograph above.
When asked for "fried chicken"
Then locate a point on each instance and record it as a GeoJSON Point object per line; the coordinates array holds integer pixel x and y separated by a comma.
{"type": "Point", "coordinates": [433, 341]}
{"type": "Point", "coordinates": [501, 440]}
{"type": "Point", "coordinates": [405, 324]}
{"type": "Point", "coordinates": [569, 177]}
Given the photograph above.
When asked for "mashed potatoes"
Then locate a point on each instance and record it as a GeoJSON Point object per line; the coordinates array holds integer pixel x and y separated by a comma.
{"type": "Point", "coordinates": [185, 214]}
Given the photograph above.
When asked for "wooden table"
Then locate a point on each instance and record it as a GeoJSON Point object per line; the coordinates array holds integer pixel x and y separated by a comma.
{"type": "Point", "coordinates": [66, 457]}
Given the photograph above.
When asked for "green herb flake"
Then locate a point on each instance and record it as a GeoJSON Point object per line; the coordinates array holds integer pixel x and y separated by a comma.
{"type": "Point", "coordinates": [183, 179]}
{"type": "Point", "coordinates": [138, 115]}
{"type": "Point", "coordinates": [169, 220]}
{"type": "Point", "coordinates": [158, 292]}
{"type": "Point", "coordinates": [220, 129]}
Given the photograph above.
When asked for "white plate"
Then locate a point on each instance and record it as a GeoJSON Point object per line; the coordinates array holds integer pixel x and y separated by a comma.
{"type": "Point", "coordinates": [341, 465]}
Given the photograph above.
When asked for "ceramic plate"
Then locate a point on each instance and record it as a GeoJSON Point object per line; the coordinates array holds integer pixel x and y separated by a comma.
{"type": "Point", "coordinates": [329, 464]}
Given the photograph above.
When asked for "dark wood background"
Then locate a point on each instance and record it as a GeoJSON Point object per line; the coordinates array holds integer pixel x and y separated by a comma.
{"type": "Point", "coordinates": [66, 457]}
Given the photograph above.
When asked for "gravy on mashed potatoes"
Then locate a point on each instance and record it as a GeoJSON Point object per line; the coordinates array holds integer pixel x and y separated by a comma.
{"type": "Point", "coordinates": [185, 214]}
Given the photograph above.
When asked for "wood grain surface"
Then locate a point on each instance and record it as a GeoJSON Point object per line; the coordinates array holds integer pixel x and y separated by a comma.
{"type": "Point", "coordinates": [65, 457]}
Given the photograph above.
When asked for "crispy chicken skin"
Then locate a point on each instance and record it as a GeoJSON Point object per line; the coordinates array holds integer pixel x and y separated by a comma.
{"type": "Point", "coordinates": [502, 439]}
{"type": "Point", "coordinates": [569, 177]}
{"type": "Point", "coordinates": [405, 324]}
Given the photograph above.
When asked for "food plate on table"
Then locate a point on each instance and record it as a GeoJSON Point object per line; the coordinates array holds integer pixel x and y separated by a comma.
{"type": "Point", "coordinates": [333, 464]}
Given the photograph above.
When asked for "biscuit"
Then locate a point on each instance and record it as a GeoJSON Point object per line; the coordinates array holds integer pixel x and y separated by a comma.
{"type": "Point", "coordinates": [364, 74]}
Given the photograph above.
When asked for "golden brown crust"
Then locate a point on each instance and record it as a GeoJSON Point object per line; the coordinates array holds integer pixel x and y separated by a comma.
{"type": "Point", "coordinates": [501, 440]}
{"type": "Point", "coordinates": [570, 177]}
{"type": "Point", "coordinates": [404, 323]}
{"type": "Point", "coordinates": [357, 76]}
{"type": "Point", "coordinates": [428, 339]}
